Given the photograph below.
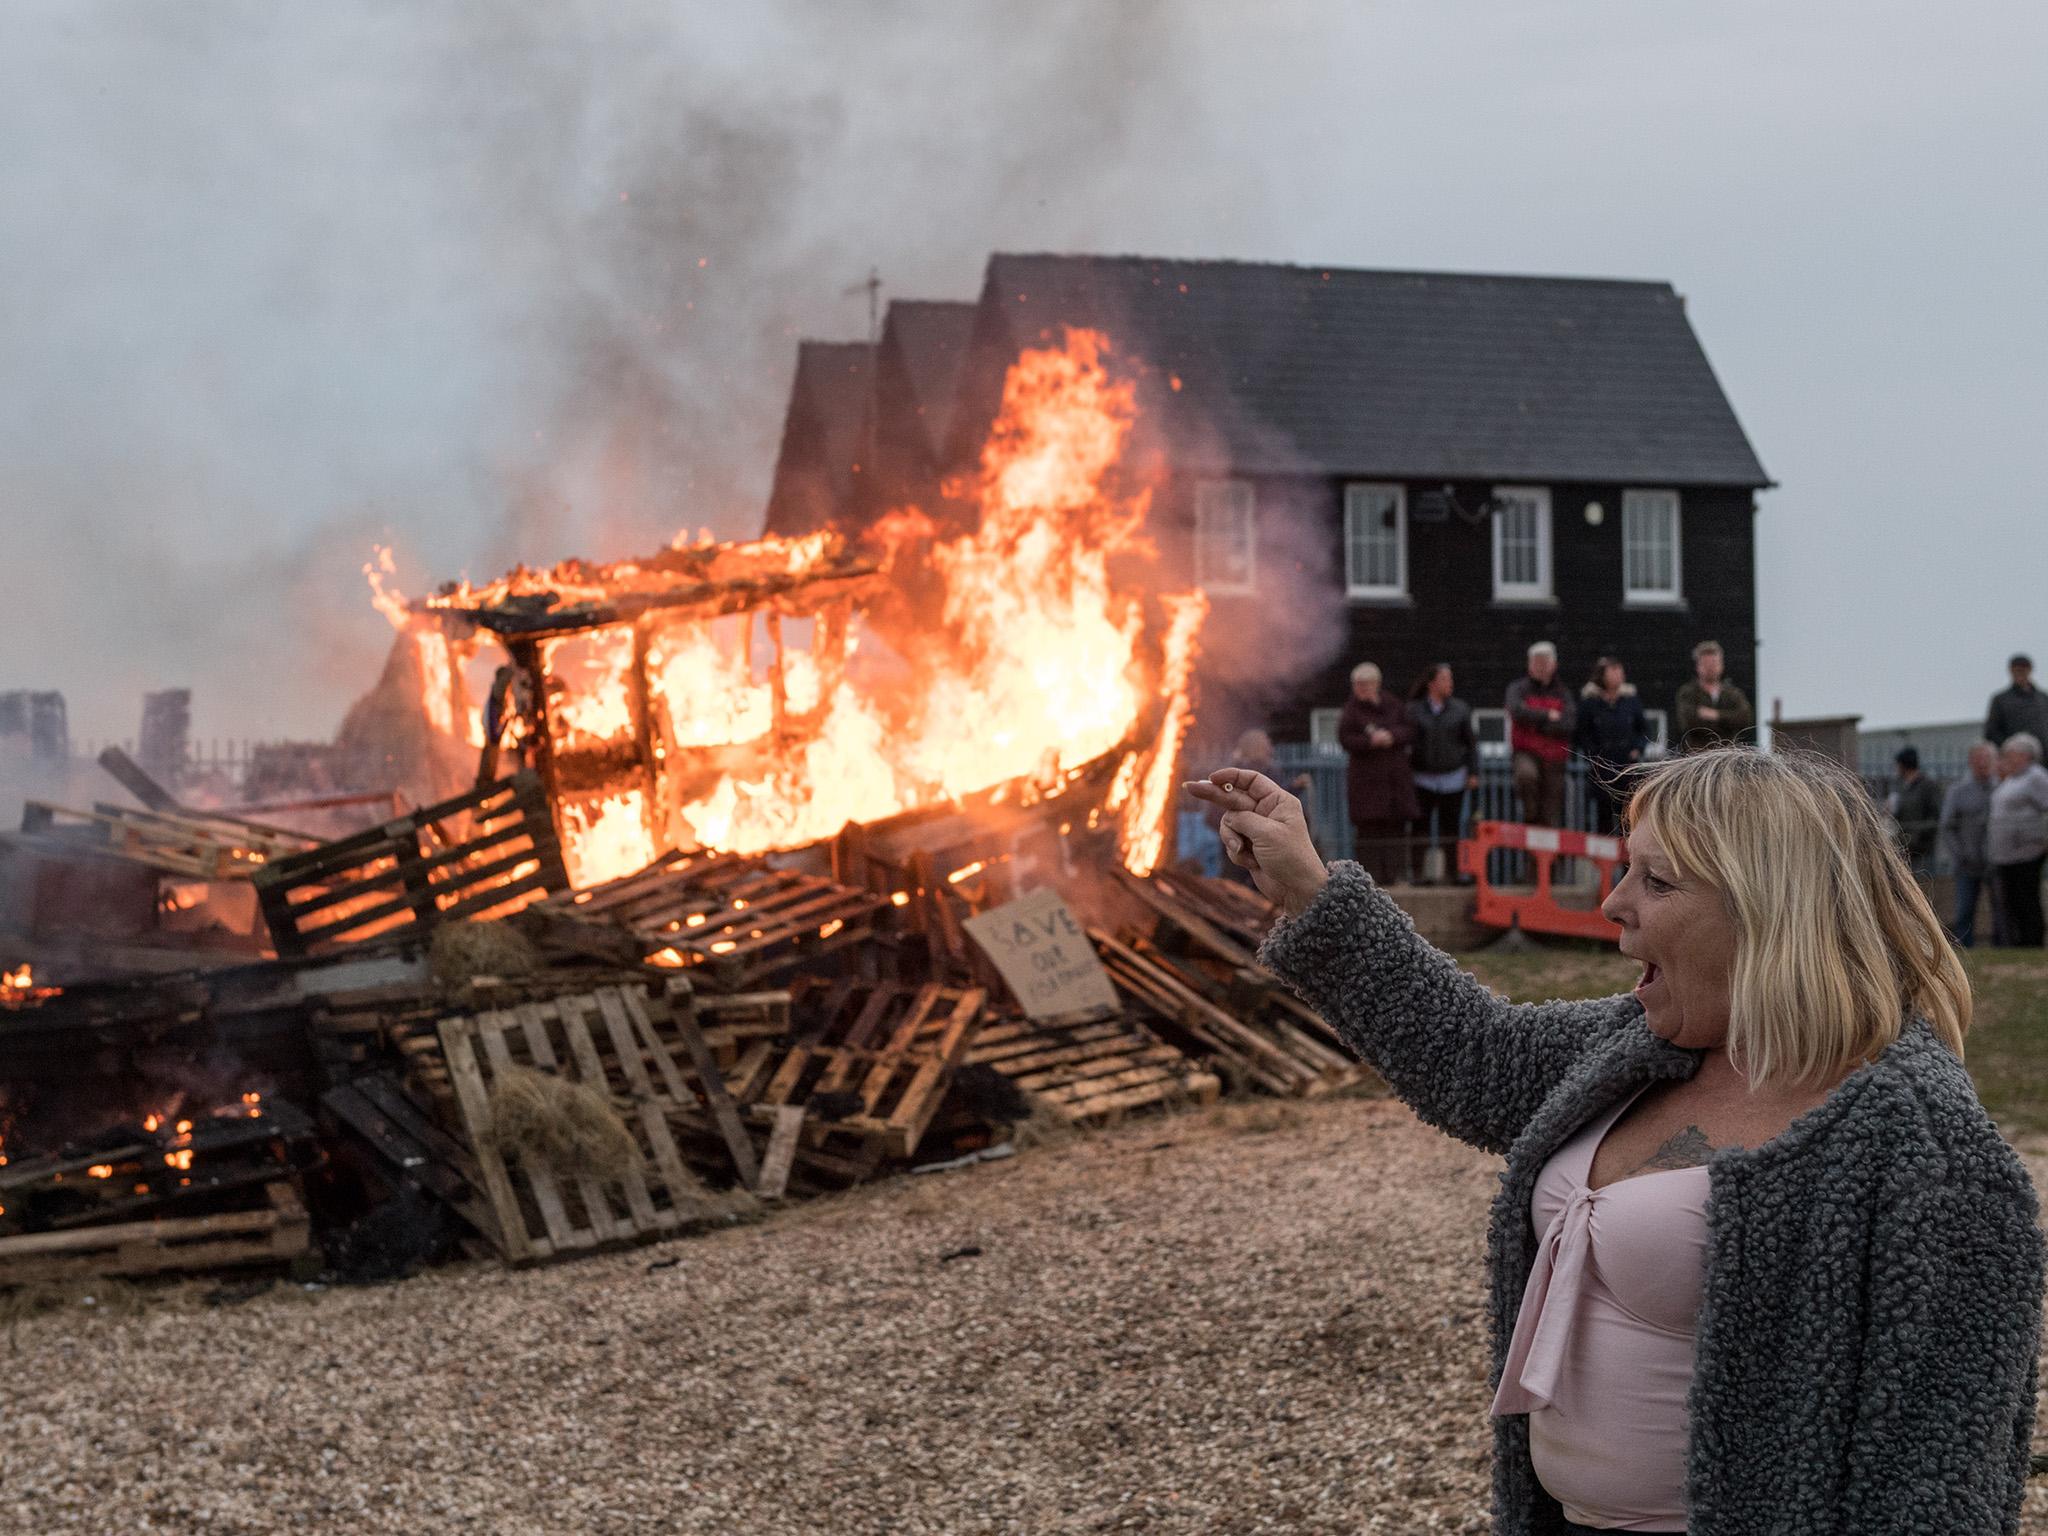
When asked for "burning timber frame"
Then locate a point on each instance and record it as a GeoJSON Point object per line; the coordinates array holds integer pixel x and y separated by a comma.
{"type": "Point", "coordinates": [539, 630]}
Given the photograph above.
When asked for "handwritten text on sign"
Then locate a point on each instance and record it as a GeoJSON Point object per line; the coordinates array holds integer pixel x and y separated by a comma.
{"type": "Point", "coordinates": [1044, 955]}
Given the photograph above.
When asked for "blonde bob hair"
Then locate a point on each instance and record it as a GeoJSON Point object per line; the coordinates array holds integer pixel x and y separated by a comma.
{"type": "Point", "coordinates": [1835, 945]}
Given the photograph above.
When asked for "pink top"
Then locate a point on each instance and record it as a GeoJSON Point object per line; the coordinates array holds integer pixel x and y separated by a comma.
{"type": "Point", "coordinates": [1601, 1358]}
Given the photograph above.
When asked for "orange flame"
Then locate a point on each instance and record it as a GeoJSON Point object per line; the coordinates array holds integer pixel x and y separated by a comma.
{"type": "Point", "coordinates": [442, 694]}
{"type": "Point", "coordinates": [18, 987]}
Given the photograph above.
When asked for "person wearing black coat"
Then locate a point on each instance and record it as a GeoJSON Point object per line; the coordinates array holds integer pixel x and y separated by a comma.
{"type": "Point", "coordinates": [1445, 759]}
{"type": "Point", "coordinates": [1376, 731]}
{"type": "Point", "coordinates": [1612, 734]}
{"type": "Point", "coordinates": [2022, 707]}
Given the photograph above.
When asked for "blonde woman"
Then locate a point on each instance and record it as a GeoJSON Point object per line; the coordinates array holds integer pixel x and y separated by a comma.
{"type": "Point", "coordinates": [1760, 1262]}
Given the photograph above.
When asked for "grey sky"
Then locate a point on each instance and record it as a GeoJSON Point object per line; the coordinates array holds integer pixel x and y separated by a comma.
{"type": "Point", "coordinates": [502, 281]}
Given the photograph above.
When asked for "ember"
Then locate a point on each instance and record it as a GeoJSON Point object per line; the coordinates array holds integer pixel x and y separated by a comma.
{"type": "Point", "coordinates": [18, 988]}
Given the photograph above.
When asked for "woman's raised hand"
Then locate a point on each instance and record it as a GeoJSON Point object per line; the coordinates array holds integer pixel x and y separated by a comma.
{"type": "Point", "coordinates": [1264, 831]}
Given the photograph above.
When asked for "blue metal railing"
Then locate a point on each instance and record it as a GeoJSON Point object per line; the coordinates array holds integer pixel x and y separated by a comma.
{"type": "Point", "coordinates": [1495, 798]}
{"type": "Point", "coordinates": [1329, 812]}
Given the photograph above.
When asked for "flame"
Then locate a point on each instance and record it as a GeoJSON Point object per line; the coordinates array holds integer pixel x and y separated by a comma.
{"type": "Point", "coordinates": [1145, 820]}
{"type": "Point", "coordinates": [18, 987]}
{"type": "Point", "coordinates": [100, 1171]}
{"type": "Point", "coordinates": [442, 693]}
{"type": "Point", "coordinates": [1019, 653]}
{"type": "Point", "coordinates": [381, 570]}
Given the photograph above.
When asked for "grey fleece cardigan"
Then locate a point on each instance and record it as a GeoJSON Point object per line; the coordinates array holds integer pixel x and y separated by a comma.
{"type": "Point", "coordinates": [1867, 1335]}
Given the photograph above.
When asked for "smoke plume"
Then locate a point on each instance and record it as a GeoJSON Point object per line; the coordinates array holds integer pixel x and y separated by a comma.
{"type": "Point", "coordinates": [497, 283]}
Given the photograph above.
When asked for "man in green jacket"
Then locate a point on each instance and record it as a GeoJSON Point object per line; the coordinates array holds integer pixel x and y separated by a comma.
{"type": "Point", "coordinates": [1712, 712]}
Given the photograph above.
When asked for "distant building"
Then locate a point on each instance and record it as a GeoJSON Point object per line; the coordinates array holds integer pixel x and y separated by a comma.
{"type": "Point", "coordinates": [1479, 462]}
{"type": "Point", "coordinates": [1944, 746]}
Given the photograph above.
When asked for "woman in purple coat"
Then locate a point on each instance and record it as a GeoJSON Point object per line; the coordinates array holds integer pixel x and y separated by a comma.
{"type": "Point", "coordinates": [1376, 731]}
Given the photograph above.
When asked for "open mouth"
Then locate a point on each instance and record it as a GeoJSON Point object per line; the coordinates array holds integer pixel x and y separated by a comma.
{"type": "Point", "coordinates": [1650, 974]}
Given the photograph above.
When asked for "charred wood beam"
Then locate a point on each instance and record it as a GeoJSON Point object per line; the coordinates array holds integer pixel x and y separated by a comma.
{"type": "Point", "coordinates": [800, 594]}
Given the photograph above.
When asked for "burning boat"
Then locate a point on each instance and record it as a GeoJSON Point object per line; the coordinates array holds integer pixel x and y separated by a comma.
{"type": "Point", "coordinates": [760, 697]}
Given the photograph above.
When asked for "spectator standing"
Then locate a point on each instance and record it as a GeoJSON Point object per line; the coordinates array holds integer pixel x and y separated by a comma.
{"type": "Point", "coordinates": [1915, 807]}
{"type": "Point", "coordinates": [2018, 836]}
{"type": "Point", "coordinates": [1965, 819]}
{"type": "Point", "coordinates": [1376, 731]}
{"type": "Point", "coordinates": [1712, 712]}
{"type": "Point", "coordinates": [1254, 750]}
{"type": "Point", "coordinates": [1541, 718]}
{"type": "Point", "coordinates": [1446, 764]}
{"type": "Point", "coordinates": [1612, 733]}
{"type": "Point", "coordinates": [2022, 707]}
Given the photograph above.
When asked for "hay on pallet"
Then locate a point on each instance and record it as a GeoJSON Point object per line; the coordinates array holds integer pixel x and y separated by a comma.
{"type": "Point", "coordinates": [567, 1125]}
{"type": "Point", "coordinates": [460, 953]}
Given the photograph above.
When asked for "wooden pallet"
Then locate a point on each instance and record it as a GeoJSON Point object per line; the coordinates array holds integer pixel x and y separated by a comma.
{"type": "Point", "coordinates": [413, 1146]}
{"type": "Point", "coordinates": [1256, 996]}
{"type": "Point", "coordinates": [603, 1040]}
{"type": "Point", "coordinates": [191, 844]}
{"type": "Point", "coordinates": [1267, 1049]}
{"type": "Point", "coordinates": [152, 1174]}
{"type": "Point", "coordinates": [891, 1050]}
{"type": "Point", "coordinates": [1224, 918]}
{"type": "Point", "coordinates": [1091, 1067]}
{"type": "Point", "coordinates": [275, 1233]}
{"type": "Point", "coordinates": [734, 1021]}
{"type": "Point", "coordinates": [732, 922]}
{"type": "Point", "coordinates": [410, 874]}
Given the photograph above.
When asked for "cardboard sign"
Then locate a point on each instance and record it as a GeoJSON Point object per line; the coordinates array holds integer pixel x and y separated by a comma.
{"type": "Point", "coordinates": [1044, 954]}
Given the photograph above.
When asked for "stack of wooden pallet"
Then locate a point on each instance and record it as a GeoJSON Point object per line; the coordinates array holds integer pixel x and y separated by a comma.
{"type": "Point", "coordinates": [733, 922]}
{"type": "Point", "coordinates": [162, 1195]}
{"type": "Point", "coordinates": [482, 854]}
{"type": "Point", "coordinates": [1086, 1068]}
{"type": "Point", "coordinates": [191, 844]}
{"type": "Point", "coordinates": [744, 1091]}
{"type": "Point", "coordinates": [1194, 965]}
{"type": "Point", "coordinates": [752, 1029]}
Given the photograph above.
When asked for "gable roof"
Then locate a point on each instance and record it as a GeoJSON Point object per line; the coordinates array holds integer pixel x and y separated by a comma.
{"type": "Point", "coordinates": [930, 336]}
{"type": "Point", "coordinates": [822, 435]}
{"type": "Point", "coordinates": [1255, 367]}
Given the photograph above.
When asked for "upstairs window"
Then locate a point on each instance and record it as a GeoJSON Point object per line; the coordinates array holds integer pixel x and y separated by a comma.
{"type": "Point", "coordinates": [1521, 543]}
{"type": "Point", "coordinates": [1375, 541]}
{"type": "Point", "coordinates": [1649, 547]}
{"type": "Point", "coordinates": [1223, 536]}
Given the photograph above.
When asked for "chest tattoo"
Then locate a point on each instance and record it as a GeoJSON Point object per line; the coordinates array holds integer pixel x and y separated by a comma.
{"type": "Point", "coordinates": [1688, 1148]}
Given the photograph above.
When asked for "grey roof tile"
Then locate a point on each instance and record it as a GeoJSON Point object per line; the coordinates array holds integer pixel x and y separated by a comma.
{"type": "Point", "coordinates": [1412, 374]}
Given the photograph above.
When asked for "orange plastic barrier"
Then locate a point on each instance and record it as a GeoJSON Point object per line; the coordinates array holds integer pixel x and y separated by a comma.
{"type": "Point", "coordinates": [1538, 911]}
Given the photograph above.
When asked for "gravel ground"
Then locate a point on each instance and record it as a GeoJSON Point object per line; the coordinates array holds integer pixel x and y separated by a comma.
{"type": "Point", "coordinates": [1262, 1317]}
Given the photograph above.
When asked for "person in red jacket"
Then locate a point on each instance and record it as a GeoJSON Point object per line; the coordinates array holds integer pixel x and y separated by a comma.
{"type": "Point", "coordinates": [1376, 731]}
{"type": "Point", "coordinates": [1541, 717]}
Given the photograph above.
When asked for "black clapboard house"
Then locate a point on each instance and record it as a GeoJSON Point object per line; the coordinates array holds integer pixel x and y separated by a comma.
{"type": "Point", "coordinates": [1400, 467]}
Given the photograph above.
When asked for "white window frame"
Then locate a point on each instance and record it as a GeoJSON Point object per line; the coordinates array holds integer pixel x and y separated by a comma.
{"type": "Point", "coordinates": [1539, 590]}
{"type": "Point", "coordinates": [1637, 501]}
{"type": "Point", "coordinates": [1353, 495]}
{"type": "Point", "coordinates": [1322, 729]}
{"type": "Point", "coordinates": [1242, 504]}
